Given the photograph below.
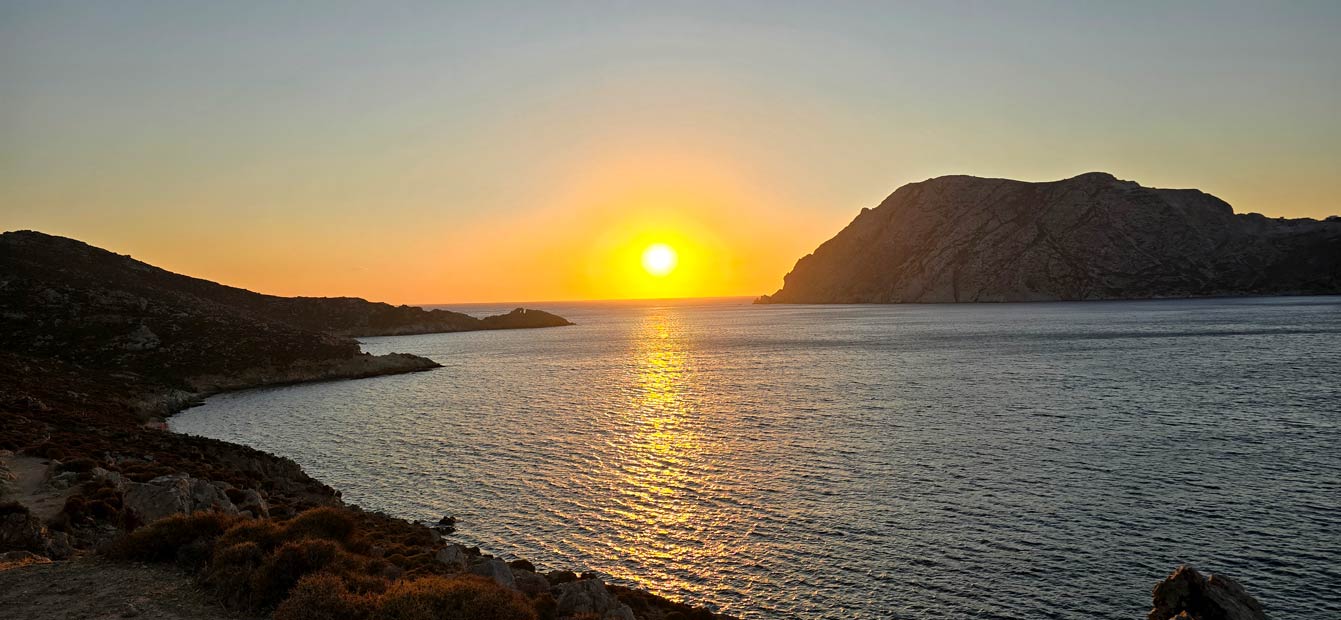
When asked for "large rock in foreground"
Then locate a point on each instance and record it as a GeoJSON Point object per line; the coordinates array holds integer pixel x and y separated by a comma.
{"type": "Point", "coordinates": [1188, 594]}
{"type": "Point", "coordinates": [968, 239]}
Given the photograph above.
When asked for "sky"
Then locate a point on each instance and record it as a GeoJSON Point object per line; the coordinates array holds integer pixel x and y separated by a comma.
{"type": "Point", "coordinates": [448, 152]}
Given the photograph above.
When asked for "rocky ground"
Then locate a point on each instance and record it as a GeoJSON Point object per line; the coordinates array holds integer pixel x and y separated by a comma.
{"type": "Point", "coordinates": [92, 588]}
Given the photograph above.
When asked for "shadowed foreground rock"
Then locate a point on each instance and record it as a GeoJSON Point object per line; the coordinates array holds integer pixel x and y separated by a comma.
{"type": "Point", "coordinates": [1187, 594]}
{"type": "Point", "coordinates": [968, 239]}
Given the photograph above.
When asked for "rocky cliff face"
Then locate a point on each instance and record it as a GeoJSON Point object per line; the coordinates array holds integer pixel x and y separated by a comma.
{"type": "Point", "coordinates": [968, 239]}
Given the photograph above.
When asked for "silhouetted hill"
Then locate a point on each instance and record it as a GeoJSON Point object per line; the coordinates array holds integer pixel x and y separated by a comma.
{"type": "Point", "coordinates": [969, 239]}
{"type": "Point", "coordinates": [65, 300]}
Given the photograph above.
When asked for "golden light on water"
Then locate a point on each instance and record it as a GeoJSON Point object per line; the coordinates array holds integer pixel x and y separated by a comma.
{"type": "Point", "coordinates": [658, 467]}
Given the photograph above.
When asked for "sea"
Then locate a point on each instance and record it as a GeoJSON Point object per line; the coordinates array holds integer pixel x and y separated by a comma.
{"type": "Point", "coordinates": [1034, 460]}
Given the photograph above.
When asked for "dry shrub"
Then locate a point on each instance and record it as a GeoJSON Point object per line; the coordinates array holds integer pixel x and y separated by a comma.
{"type": "Point", "coordinates": [293, 561]}
{"type": "Point", "coordinates": [262, 532]}
{"type": "Point", "coordinates": [319, 564]}
{"type": "Point", "coordinates": [326, 523]}
{"type": "Point", "coordinates": [465, 597]}
{"type": "Point", "coordinates": [161, 540]}
{"type": "Point", "coordinates": [324, 596]}
{"type": "Point", "coordinates": [101, 504]}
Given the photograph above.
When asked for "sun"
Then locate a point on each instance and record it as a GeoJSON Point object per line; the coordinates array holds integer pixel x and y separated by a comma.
{"type": "Point", "coordinates": [659, 259]}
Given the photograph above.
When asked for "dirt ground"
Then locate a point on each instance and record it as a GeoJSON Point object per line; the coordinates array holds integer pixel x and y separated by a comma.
{"type": "Point", "coordinates": [30, 487]}
{"type": "Point", "coordinates": [90, 588]}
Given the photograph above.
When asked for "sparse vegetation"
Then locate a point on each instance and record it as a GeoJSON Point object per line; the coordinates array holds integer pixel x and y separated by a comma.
{"type": "Point", "coordinates": [161, 541]}
{"type": "Point", "coordinates": [320, 564]}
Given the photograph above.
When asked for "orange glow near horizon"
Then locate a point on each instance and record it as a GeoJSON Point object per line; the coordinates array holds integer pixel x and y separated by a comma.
{"type": "Point", "coordinates": [579, 233]}
{"type": "Point", "coordinates": [649, 227]}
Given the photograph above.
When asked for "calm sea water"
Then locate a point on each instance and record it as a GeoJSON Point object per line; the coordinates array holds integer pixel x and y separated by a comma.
{"type": "Point", "coordinates": [993, 461]}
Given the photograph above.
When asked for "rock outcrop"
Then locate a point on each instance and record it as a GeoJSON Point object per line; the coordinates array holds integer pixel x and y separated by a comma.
{"type": "Point", "coordinates": [1187, 594]}
{"type": "Point", "coordinates": [586, 598]}
{"type": "Point", "coordinates": [969, 239]}
{"type": "Point", "coordinates": [497, 570]}
{"type": "Point", "coordinates": [165, 496]}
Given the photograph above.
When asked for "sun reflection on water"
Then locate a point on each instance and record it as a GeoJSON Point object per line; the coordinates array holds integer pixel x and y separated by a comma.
{"type": "Point", "coordinates": [660, 484]}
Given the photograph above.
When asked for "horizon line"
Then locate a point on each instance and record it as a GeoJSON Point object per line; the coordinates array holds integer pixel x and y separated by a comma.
{"type": "Point", "coordinates": [570, 301]}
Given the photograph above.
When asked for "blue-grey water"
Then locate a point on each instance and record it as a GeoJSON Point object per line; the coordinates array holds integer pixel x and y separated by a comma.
{"type": "Point", "coordinates": [987, 461]}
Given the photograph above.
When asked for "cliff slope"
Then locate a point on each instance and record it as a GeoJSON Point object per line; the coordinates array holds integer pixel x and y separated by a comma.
{"type": "Point", "coordinates": [969, 239]}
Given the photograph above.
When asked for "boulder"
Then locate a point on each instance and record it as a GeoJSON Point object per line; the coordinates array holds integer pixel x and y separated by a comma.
{"type": "Point", "coordinates": [64, 480]}
{"type": "Point", "coordinates": [590, 597]}
{"type": "Point", "coordinates": [116, 480]}
{"type": "Point", "coordinates": [495, 569]}
{"type": "Point", "coordinates": [206, 495]}
{"type": "Point", "coordinates": [161, 497]}
{"type": "Point", "coordinates": [174, 494]}
{"type": "Point", "coordinates": [254, 503]}
{"type": "Point", "coordinates": [528, 582]}
{"type": "Point", "coordinates": [1186, 593]}
{"type": "Point", "coordinates": [455, 557]}
{"type": "Point", "coordinates": [556, 577]}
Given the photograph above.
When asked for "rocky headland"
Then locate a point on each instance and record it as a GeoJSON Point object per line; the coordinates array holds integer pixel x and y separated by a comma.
{"type": "Point", "coordinates": [969, 239]}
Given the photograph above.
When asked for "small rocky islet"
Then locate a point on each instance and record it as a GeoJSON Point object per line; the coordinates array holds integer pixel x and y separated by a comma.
{"type": "Point", "coordinates": [96, 348]}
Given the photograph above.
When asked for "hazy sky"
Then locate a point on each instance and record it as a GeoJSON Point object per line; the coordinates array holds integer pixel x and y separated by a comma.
{"type": "Point", "coordinates": [435, 152]}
